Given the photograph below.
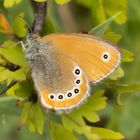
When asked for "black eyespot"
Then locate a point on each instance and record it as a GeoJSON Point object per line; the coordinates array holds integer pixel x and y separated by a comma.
{"type": "Point", "coordinates": [105, 56]}
{"type": "Point", "coordinates": [51, 97]}
{"type": "Point", "coordinates": [69, 94]}
{"type": "Point", "coordinates": [76, 90]}
{"type": "Point", "coordinates": [77, 71]}
{"type": "Point", "coordinates": [60, 97]}
{"type": "Point", "coordinates": [78, 81]}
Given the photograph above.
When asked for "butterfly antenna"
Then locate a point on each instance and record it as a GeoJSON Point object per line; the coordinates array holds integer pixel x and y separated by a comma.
{"type": "Point", "coordinates": [8, 87]}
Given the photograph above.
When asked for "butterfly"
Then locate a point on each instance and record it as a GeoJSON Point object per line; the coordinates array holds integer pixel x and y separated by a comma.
{"type": "Point", "coordinates": [64, 65]}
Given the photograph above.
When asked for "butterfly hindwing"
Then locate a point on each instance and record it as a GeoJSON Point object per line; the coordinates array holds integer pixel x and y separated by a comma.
{"type": "Point", "coordinates": [61, 83]}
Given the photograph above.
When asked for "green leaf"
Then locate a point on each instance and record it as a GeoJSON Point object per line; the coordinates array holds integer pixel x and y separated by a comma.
{"type": "Point", "coordinates": [40, 0]}
{"type": "Point", "coordinates": [87, 110]}
{"type": "Point", "coordinates": [10, 3]}
{"type": "Point", "coordinates": [112, 37]}
{"type": "Point", "coordinates": [32, 127]}
{"type": "Point", "coordinates": [100, 13]}
{"type": "Point", "coordinates": [106, 134]}
{"type": "Point", "coordinates": [18, 75]}
{"type": "Point", "coordinates": [91, 133]}
{"type": "Point", "coordinates": [22, 89]}
{"type": "Point", "coordinates": [100, 29]}
{"type": "Point", "coordinates": [8, 106]}
{"type": "Point", "coordinates": [31, 120]}
{"type": "Point", "coordinates": [8, 44]}
{"type": "Point", "coordinates": [33, 115]}
{"type": "Point", "coordinates": [127, 56]}
{"type": "Point", "coordinates": [3, 61]}
{"type": "Point", "coordinates": [127, 88]}
{"type": "Point", "coordinates": [129, 122]}
{"type": "Point", "coordinates": [6, 74]}
{"type": "Point", "coordinates": [25, 114]}
{"type": "Point", "coordinates": [100, 9]}
{"type": "Point", "coordinates": [25, 89]}
{"type": "Point", "coordinates": [13, 54]}
{"type": "Point", "coordinates": [115, 7]}
{"type": "Point", "coordinates": [119, 73]}
{"type": "Point", "coordinates": [12, 90]}
{"type": "Point", "coordinates": [80, 136]}
{"type": "Point", "coordinates": [19, 26]}
{"type": "Point", "coordinates": [61, 2]}
{"type": "Point", "coordinates": [75, 119]}
{"type": "Point", "coordinates": [49, 26]}
{"type": "Point", "coordinates": [58, 134]}
{"type": "Point", "coordinates": [86, 3]}
{"type": "Point", "coordinates": [97, 102]}
{"type": "Point", "coordinates": [76, 127]}
{"type": "Point", "coordinates": [38, 117]}
{"type": "Point", "coordinates": [119, 101]}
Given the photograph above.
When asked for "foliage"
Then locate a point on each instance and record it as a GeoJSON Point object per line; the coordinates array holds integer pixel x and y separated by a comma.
{"type": "Point", "coordinates": [10, 3]}
{"type": "Point", "coordinates": [74, 124]}
{"type": "Point", "coordinates": [40, 0]}
{"type": "Point", "coordinates": [100, 29]}
{"type": "Point", "coordinates": [101, 10]}
{"type": "Point", "coordinates": [62, 1]}
{"type": "Point", "coordinates": [4, 25]}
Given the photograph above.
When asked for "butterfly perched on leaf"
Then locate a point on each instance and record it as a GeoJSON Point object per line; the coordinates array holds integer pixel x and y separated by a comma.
{"type": "Point", "coordinates": [64, 65]}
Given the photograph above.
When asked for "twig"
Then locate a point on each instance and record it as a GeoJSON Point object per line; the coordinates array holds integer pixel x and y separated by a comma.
{"type": "Point", "coordinates": [9, 86]}
{"type": "Point", "coordinates": [40, 12]}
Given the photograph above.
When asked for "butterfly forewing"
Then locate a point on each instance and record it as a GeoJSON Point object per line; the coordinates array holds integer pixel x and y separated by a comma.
{"type": "Point", "coordinates": [96, 57]}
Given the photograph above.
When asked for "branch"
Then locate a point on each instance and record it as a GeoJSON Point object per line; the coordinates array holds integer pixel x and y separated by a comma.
{"type": "Point", "coordinates": [8, 87]}
{"type": "Point", "coordinates": [40, 9]}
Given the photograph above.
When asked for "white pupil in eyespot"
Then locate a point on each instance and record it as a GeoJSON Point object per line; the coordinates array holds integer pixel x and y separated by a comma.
{"type": "Point", "coordinates": [105, 56]}
{"type": "Point", "coordinates": [76, 90]}
{"type": "Point", "coordinates": [78, 81]}
{"type": "Point", "coordinates": [60, 97]}
{"type": "Point", "coordinates": [77, 71]}
{"type": "Point", "coordinates": [69, 94]}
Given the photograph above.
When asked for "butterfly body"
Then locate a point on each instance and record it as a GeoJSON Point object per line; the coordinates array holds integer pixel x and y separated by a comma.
{"type": "Point", "coordinates": [63, 65]}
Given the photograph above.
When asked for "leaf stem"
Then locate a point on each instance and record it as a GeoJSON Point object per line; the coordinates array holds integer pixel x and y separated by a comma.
{"type": "Point", "coordinates": [8, 87]}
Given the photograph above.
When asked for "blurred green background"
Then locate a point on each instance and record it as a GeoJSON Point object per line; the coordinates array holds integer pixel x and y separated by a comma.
{"type": "Point", "coordinates": [76, 17]}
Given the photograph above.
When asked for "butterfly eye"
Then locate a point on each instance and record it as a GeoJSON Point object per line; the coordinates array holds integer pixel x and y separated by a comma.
{"type": "Point", "coordinates": [60, 97]}
{"type": "Point", "coordinates": [52, 96]}
{"type": "Point", "coordinates": [76, 90]}
{"type": "Point", "coordinates": [105, 56]}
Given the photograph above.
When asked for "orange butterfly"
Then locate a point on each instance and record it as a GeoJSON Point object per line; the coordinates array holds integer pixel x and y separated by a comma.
{"type": "Point", "coordinates": [63, 65]}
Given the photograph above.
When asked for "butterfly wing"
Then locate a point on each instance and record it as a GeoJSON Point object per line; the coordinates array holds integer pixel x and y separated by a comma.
{"type": "Point", "coordinates": [61, 83]}
{"type": "Point", "coordinates": [96, 57]}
